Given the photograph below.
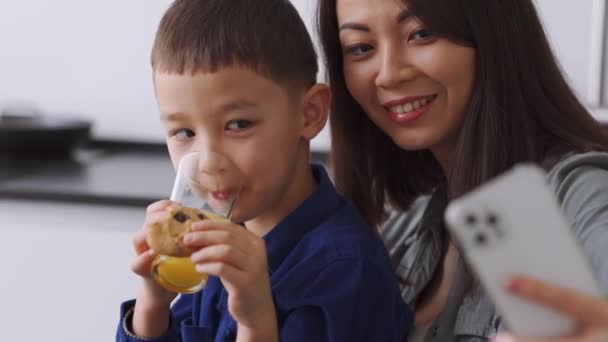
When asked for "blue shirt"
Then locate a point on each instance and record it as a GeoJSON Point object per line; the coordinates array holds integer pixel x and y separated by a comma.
{"type": "Point", "coordinates": [331, 280]}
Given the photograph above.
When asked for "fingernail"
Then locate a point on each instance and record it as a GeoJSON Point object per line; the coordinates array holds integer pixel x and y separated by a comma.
{"type": "Point", "coordinates": [515, 285]}
{"type": "Point", "coordinates": [502, 338]}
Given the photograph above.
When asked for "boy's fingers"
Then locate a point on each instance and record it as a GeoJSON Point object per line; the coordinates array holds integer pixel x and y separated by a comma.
{"type": "Point", "coordinates": [214, 225]}
{"type": "Point", "coordinates": [142, 263]}
{"type": "Point", "coordinates": [139, 242]}
{"type": "Point", "coordinates": [157, 206]}
{"type": "Point", "coordinates": [583, 308]}
{"type": "Point", "coordinates": [222, 253]}
{"type": "Point", "coordinates": [226, 272]}
{"type": "Point", "coordinates": [237, 234]}
{"type": "Point", "coordinates": [202, 239]}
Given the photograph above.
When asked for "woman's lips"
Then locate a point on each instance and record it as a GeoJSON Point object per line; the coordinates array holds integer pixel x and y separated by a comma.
{"type": "Point", "coordinates": [398, 115]}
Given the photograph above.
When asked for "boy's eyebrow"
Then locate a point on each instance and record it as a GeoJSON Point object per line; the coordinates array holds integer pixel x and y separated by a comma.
{"type": "Point", "coordinates": [405, 15]}
{"type": "Point", "coordinates": [235, 105]}
{"type": "Point", "coordinates": [227, 107]}
{"type": "Point", "coordinates": [172, 116]}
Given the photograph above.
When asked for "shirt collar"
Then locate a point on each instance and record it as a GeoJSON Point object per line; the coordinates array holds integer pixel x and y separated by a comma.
{"type": "Point", "coordinates": [321, 204]}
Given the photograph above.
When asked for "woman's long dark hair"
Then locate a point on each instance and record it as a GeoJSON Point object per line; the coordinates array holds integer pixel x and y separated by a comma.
{"type": "Point", "coordinates": [521, 108]}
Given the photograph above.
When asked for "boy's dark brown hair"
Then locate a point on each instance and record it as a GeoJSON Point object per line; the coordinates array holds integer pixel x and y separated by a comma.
{"type": "Point", "coordinates": [521, 109]}
{"type": "Point", "coordinates": [266, 36]}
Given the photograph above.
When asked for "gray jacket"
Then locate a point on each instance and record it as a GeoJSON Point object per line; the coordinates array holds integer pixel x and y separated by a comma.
{"type": "Point", "coordinates": [414, 240]}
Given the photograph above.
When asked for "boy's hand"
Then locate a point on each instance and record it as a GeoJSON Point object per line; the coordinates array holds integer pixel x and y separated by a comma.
{"type": "Point", "coordinates": [238, 258]}
{"type": "Point", "coordinates": [142, 265]}
{"type": "Point", "coordinates": [152, 307]}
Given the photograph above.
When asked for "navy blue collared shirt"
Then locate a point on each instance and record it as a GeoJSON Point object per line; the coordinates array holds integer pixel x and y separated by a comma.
{"type": "Point", "coordinates": [331, 280]}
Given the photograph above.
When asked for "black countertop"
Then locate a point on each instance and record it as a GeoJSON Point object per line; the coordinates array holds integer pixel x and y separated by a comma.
{"type": "Point", "coordinates": [124, 175]}
{"type": "Point", "coordinates": [132, 178]}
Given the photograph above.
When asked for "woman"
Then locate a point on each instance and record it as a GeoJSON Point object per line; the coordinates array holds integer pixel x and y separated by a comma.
{"type": "Point", "coordinates": [431, 99]}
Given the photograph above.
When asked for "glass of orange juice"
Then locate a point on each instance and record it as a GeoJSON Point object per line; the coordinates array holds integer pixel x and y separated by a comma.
{"type": "Point", "coordinates": [210, 183]}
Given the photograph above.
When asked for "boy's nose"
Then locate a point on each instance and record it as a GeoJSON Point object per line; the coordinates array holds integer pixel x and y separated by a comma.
{"type": "Point", "coordinates": [211, 162]}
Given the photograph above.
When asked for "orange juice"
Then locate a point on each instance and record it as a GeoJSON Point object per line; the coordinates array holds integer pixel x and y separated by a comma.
{"type": "Point", "coordinates": [179, 274]}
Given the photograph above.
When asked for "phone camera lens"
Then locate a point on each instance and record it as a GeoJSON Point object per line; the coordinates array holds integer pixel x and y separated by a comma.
{"type": "Point", "coordinates": [492, 220]}
{"type": "Point", "coordinates": [481, 239]}
{"type": "Point", "coordinates": [471, 219]}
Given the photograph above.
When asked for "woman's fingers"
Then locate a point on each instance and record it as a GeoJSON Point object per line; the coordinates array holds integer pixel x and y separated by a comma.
{"type": "Point", "coordinates": [595, 336]}
{"type": "Point", "coordinates": [585, 309]}
{"type": "Point", "coordinates": [600, 335]}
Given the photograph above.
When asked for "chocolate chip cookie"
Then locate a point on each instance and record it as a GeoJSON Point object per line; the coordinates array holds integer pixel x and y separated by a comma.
{"type": "Point", "coordinates": [166, 237]}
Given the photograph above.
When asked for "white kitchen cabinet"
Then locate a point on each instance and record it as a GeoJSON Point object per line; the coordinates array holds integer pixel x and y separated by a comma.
{"type": "Point", "coordinates": [65, 270]}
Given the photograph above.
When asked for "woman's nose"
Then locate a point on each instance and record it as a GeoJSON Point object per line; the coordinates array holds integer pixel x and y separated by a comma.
{"type": "Point", "coordinates": [393, 69]}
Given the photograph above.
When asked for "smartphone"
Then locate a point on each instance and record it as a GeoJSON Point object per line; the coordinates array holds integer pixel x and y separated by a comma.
{"type": "Point", "coordinates": [513, 224]}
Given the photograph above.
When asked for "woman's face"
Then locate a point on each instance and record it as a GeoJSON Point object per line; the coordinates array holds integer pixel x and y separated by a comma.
{"type": "Point", "coordinates": [412, 84]}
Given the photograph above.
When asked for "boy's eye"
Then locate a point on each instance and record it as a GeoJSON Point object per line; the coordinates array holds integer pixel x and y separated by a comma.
{"type": "Point", "coordinates": [183, 133]}
{"type": "Point", "coordinates": [238, 125]}
{"type": "Point", "coordinates": [357, 50]}
{"type": "Point", "coordinates": [421, 34]}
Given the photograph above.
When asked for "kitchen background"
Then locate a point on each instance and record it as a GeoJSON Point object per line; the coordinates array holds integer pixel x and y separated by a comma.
{"type": "Point", "coordinates": [66, 223]}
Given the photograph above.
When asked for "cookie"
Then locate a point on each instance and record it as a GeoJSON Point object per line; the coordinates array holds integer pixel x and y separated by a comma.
{"type": "Point", "coordinates": [166, 237]}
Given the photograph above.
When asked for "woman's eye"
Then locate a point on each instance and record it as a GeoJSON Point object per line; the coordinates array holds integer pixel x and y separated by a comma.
{"type": "Point", "coordinates": [238, 125]}
{"type": "Point", "coordinates": [183, 133]}
{"type": "Point", "coordinates": [357, 50]}
{"type": "Point", "coordinates": [421, 34]}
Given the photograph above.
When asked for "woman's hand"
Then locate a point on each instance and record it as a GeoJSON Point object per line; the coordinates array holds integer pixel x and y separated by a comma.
{"type": "Point", "coordinates": [590, 313]}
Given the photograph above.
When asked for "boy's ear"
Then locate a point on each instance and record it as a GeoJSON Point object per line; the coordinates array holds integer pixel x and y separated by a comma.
{"type": "Point", "coordinates": [315, 110]}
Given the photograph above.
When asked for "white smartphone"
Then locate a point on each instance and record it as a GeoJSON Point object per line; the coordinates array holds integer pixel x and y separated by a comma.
{"type": "Point", "coordinates": [513, 224]}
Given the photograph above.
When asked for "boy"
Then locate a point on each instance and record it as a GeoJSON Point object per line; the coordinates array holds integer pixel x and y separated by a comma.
{"type": "Point", "coordinates": [239, 77]}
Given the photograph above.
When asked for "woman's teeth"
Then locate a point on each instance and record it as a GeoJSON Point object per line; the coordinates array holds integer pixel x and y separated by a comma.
{"type": "Point", "coordinates": [411, 106]}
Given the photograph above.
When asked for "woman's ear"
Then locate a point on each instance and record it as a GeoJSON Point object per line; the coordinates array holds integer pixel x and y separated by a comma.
{"type": "Point", "coordinates": [315, 110]}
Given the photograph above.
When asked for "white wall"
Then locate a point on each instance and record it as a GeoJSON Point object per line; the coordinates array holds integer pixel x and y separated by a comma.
{"type": "Point", "coordinates": [576, 29]}
{"type": "Point", "coordinates": [88, 58]}
{"type": "Point", "coordinates": [91, 57]}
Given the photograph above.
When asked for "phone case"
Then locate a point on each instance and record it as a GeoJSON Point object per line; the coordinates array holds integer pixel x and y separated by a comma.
{"type": "Point", "coordinates": [513, 224]}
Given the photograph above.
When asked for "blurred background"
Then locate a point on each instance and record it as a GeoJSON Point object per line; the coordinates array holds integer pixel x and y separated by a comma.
{"type": "Point", "coordinates": [81, 150]}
